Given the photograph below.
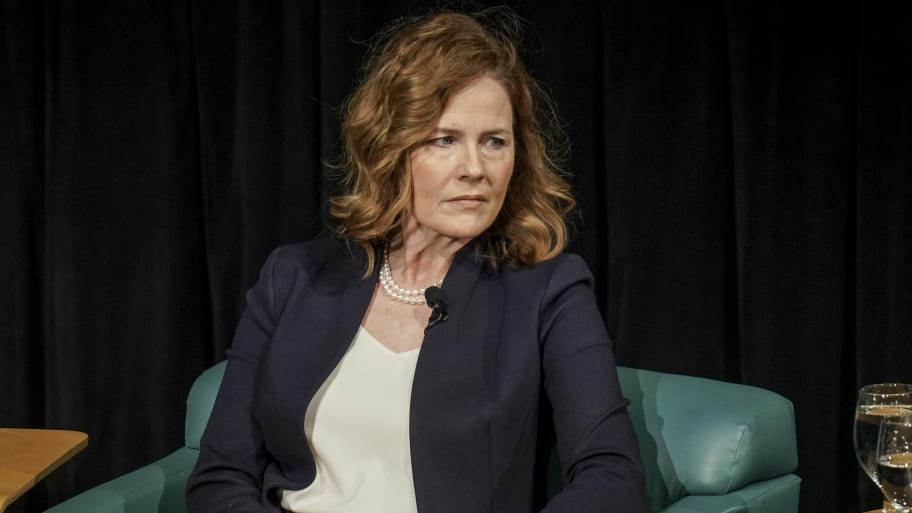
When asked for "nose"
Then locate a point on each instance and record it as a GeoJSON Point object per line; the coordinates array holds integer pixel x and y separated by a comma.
{"type": "Point", "coordinates": [473, 165]}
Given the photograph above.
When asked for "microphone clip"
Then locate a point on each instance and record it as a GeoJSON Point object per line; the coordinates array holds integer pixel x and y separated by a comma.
{"type": "Point", "coordinates": [436, 299]}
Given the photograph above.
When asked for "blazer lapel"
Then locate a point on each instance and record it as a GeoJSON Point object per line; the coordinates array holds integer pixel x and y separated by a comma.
{"type": "Point", "coordinates": [449, 421]}
{"type": "Point", "coordinates": [327, 314]}
{"type": "Point", "coordinates": [349, 311]}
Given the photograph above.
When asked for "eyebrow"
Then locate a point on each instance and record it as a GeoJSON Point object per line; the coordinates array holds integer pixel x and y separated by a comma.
{"type": "Point", "coordinates": [485, 133]}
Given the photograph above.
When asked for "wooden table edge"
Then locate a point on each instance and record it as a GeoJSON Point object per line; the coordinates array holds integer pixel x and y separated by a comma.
{"type": "Point", "coordinates": [68, 455]}
{"type": "Point", "coordinates": [82, 441]}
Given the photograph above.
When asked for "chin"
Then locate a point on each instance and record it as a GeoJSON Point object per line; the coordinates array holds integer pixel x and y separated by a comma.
{"type": "Point", "coordinates": [456, 228]}
{"type": "Point", "coordinates": [470, 231]}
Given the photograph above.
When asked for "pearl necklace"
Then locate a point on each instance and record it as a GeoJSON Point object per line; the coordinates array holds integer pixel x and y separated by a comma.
{"type": "Point", "coordinates": [410, 296]}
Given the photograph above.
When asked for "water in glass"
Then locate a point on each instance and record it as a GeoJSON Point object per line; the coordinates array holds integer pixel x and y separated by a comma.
{"type": "Point", "coordinates": [894, 460]}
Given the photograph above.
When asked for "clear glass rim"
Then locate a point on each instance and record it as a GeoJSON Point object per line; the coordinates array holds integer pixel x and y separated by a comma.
{"type": "Point", "coordinates": [885, 389]}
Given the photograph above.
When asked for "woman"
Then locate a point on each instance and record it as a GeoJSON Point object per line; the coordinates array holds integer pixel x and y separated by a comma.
{"type": "Point", "coordinates": [341, 396]}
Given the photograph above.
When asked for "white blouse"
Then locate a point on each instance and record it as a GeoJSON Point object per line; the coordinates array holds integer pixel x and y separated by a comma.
{"type": "Point", "coordinates": [357, 425]}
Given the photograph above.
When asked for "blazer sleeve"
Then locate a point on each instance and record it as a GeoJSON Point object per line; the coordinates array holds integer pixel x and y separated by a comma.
{"type": "Point", "coordinates": [595, 438]}
{"type": "Point", "coordinates": [228, 475]}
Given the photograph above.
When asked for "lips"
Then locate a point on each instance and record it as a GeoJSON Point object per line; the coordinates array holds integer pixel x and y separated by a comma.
{"type": "Point", "coordinates": [477, 198]}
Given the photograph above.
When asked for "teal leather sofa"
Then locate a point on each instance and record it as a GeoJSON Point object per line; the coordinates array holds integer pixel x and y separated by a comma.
{"type": "Point", "coordinates": [707, 446]}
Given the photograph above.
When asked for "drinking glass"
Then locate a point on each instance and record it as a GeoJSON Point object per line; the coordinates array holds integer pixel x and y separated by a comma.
{"type": "Point", "coordinates": [894, 461]}
{"type": "Point", "coordinates": [874, 403]}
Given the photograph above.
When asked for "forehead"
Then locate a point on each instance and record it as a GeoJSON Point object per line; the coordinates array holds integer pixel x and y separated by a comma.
{"type": "Point", "coordinates": [485, 100]}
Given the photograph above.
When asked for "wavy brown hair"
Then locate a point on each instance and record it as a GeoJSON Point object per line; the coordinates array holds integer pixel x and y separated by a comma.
{"type": "Point", "coordinates": [417, 65]}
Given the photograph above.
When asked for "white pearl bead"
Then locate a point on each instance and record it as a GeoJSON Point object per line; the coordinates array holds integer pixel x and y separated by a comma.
{"type": "Point", "coordinates": [393, 290]}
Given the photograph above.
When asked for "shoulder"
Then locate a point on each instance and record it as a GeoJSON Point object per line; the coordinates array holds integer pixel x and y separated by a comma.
{"type": "Point", "coordinates": [556, 293]}
{"type": "Point", "coordinates": [566, 263]}
{"type": "Point", "coordinates": [562, 269]}
{"type": "Point", "coordinates": [325, 259]}
{"type": "Point", "coordinates": [319, 251]}
{"type": "Point", "coordinates": [546, 283]}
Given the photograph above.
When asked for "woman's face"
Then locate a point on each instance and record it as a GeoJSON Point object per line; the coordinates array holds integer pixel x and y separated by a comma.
{"type": "Point", "coordinates": [460, 174]}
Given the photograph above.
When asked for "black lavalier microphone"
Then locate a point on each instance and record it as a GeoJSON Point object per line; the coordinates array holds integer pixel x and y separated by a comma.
{"type": "Point", "coordinates": [436, 299]}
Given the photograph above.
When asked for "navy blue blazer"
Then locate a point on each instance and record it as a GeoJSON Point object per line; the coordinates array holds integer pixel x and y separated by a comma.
{"type": "Point", "coordinates": [511, 333]}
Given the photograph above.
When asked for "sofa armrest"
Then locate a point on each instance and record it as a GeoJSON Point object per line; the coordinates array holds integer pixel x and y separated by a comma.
{"type": "Point", "coordinates": [772, 496]}
{"type": "Point", "coordinates": [155, 488]}
{"type": "Point", "coordinates": [704, 437]}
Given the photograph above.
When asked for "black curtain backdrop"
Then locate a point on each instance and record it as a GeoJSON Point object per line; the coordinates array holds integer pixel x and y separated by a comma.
{"type": "Point", "coordinates": [743, 169]}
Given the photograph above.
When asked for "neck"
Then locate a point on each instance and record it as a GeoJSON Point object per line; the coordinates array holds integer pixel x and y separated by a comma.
{"type": "Point", "coordinates": [416, 261]}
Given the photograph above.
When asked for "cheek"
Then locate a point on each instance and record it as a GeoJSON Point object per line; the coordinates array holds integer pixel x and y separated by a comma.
{"type": "Point", "coordinates": [505, 176]}
{"type": "Point", "coordinates": [427, 186]}
{"type": "Point", "coordinates": [423, 180]}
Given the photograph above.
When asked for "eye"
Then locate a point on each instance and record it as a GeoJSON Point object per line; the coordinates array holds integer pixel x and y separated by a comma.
{"type": "Point", "coordinates": [495, 143]}
{"type": "Point", "coordinates": [447, 140]}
